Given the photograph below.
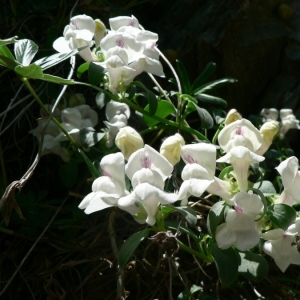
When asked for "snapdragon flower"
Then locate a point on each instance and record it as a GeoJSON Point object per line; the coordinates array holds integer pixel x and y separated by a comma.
{"type": "Point", "coordinates": [79, 33]}
{"type": "Point", "coordinates": [198, 173]}
{"type": "Point", "coordinates": [283, 245]}
{"type": "Point", "coordinates": [109, 188]}
{"type": "Point", "coordinates": [241, 157]}
{"type": "Point", "coordinates": [147, 169]}
{"type": "Point", "coordinates": [240, 133]}
{"type": "Point", "coordinates": [290, 176]}
{"type": "Point", "coordinates": [240, 228]}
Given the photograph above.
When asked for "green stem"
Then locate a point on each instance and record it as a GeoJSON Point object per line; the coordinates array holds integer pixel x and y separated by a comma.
{"type": "Point", "coordinates": [146, 113]}
{"type": "Point", "coordinates": [193, 252]}
{"type": "Point", "coordinates": [36, 97]}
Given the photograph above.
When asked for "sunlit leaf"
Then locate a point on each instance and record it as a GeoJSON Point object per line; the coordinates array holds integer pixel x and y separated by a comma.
{"type": "Point", "coordinates": [25, 50]}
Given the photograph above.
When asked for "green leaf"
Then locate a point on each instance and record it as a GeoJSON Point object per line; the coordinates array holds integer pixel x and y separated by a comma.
{"type": "Point", "coordinates": [82, 68]}
{"type": "Point", "coordinates": [6, 52]}
{"type": "Point", "coordinates": [68, 173]}
{"type": "Point", "coordinates": [25, 50]}
{"type": "Point", "coordinates": [266, 187]}
{"type": "Point", "coordinates": [32, 71]}
{"type": "Point", "coordinates": [214, 85]}
{"type": "Point", "coordinates": [96, 73]}
{"type": "Point", "coordinates": [164, 109]}
{"type": "Point", "coordinates": [8, 41]}
{"type": "Point", "coordinates": [200, 80]}
{"type": "Point", "coordinates": [188, 213]}
{"type": "Point", "coordinates": [282, 215]}
{"type": "Point", "coordinates": [253, 266]}
{"type": "Point", "coordinates": [215, 216]}
{"type": "Point", "coordinates": [89, 138]}
{"type": "Point", "coordinates": [227, 263]}
{"type": "Point", "coordinates": [184, 78]}
{"type": "Point", "coordinates": [7, 62]}
{"type": "Point", "coordinates": [50, 61]}
{"type": "Point", "coordinates": [130, 246]}
{"type": "Point", "coordinates": [206, 119]}
{"type": "Point", "coordinates": [225, 171]}
{"type": "Point", "coordinates": [93, 170]}
{"type": "Point", "coordinates": [212, 100]}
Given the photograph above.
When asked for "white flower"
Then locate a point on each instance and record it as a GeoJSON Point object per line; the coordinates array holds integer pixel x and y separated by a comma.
{"type": "Point", "coordinates": [118, 22]}
{"type": "Point", "coordinates": [232, 116]}
{"type": "Point", "coordinates": [288, 121]}
{"type": "Point", "coordinates": [128, 140]}
{"type": "Point", "coordinates": [79, 33]}
{"type": "Point", "coordinates": [150, 197]}
{"type": "Point", "coordinates": [198, 174]}
{"type": "Point", "coordinates": [148, 158]}
{"type": "Point", "coordinates": [240, 133]}
{"type": "Point", "coordinates": [283, 245]}
{"type": "Point", "coordinates": [240, 228]}
{"type": "Point", "coordinates": [241, 157]}
{"type": "Point", "coordinates": [114, 108]}
{"type": "Point", "coordinates": [76, 118]}
{"type": "Point", "coordinates": [290, 176]}
{"type": "Point", "coordinates": [269, 114]}
{"type": "Point", "coordinates": [107, 189]}
{"type": "Point", "coordinates": [114, 126]}
{"type": "Point", "coordinates": [171, 148]}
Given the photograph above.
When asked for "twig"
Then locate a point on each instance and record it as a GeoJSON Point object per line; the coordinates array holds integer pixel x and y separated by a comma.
{"type": "Point", "coordinates": [31, 249]}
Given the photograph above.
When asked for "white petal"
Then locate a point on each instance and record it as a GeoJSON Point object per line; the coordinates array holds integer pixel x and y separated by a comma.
{"type": "Point", "coordinates": [246, 240]}
{"type": "Point", "coordinates": [288, 170]}
{"type": "Point", "coordinates": [61, 45]}
{"type": "Point", "coordinates": [273, 234]}
{"type": "Point", "coordinates": [225, 237]}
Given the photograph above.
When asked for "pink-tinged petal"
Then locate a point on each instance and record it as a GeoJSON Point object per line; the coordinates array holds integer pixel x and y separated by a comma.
{"type": "Point", "coordinates": [285, 198]}
{"type": "Point", "coordinates": [251, 204]}
{"type": "Point", "coordinates": [248, 135]}
{"type": "Point", "coordinates": [118, 22]}
{"type": "Point", "coordinates": [84, 26]}
{"type": "Point", "coordinates": [202, 154]}
{"type": "Point", "coordinates": [225, 237]}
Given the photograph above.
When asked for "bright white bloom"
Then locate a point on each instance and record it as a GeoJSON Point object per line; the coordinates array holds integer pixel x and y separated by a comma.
{"type": "Point", "coordinates": [198, 174]}
{"type": "Point", "coordinates": [118, 22]}
{"type": "Point", "coordinates": [79, 33]}
{"type": "Point", "coordinates": [240, 227]}
{"type": "Point", "coordinates": [149, 197]}
{"type": "Point", "coordinates": [288, 169]}
{"type": "Point", "coordinates": [288, 121]}
{"type": "Point", "coordinates": [109, 188]}
{"type": "Point", "coordinates": [171, 148]}
{"type": "Point", "coordinates": [241, 157]}
{"type": "Point", "coordinates": [128, 140]}
{"type": "Point", "coordinates": [148, 165]}
{"type": "Point", "coordinates": [283, 245]}
{"type": "Point", "coordinates": [240, 133]}
{"type": "Point", "coordinates": [268, 130]}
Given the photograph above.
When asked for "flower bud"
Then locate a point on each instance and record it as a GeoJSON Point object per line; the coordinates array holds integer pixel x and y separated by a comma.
{"type": "Point", "coordinates": [171, 148]}
{"type": "Point", "coordinates": [268, 130]}
{"type": "Point", "coordinates": [232, 116]}
{"type": "Point", "coordinates": [128, 140]}
{"type": "Point", "coordinates": [100, 32]}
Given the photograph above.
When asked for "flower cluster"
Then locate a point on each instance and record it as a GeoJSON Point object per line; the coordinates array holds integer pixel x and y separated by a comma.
{"type": "Point", "coordinates": [288, 119]}
{"type": "Point", "coordinates": [125, 51]}
{"type": "Point", "coordinates": [72, 119]}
